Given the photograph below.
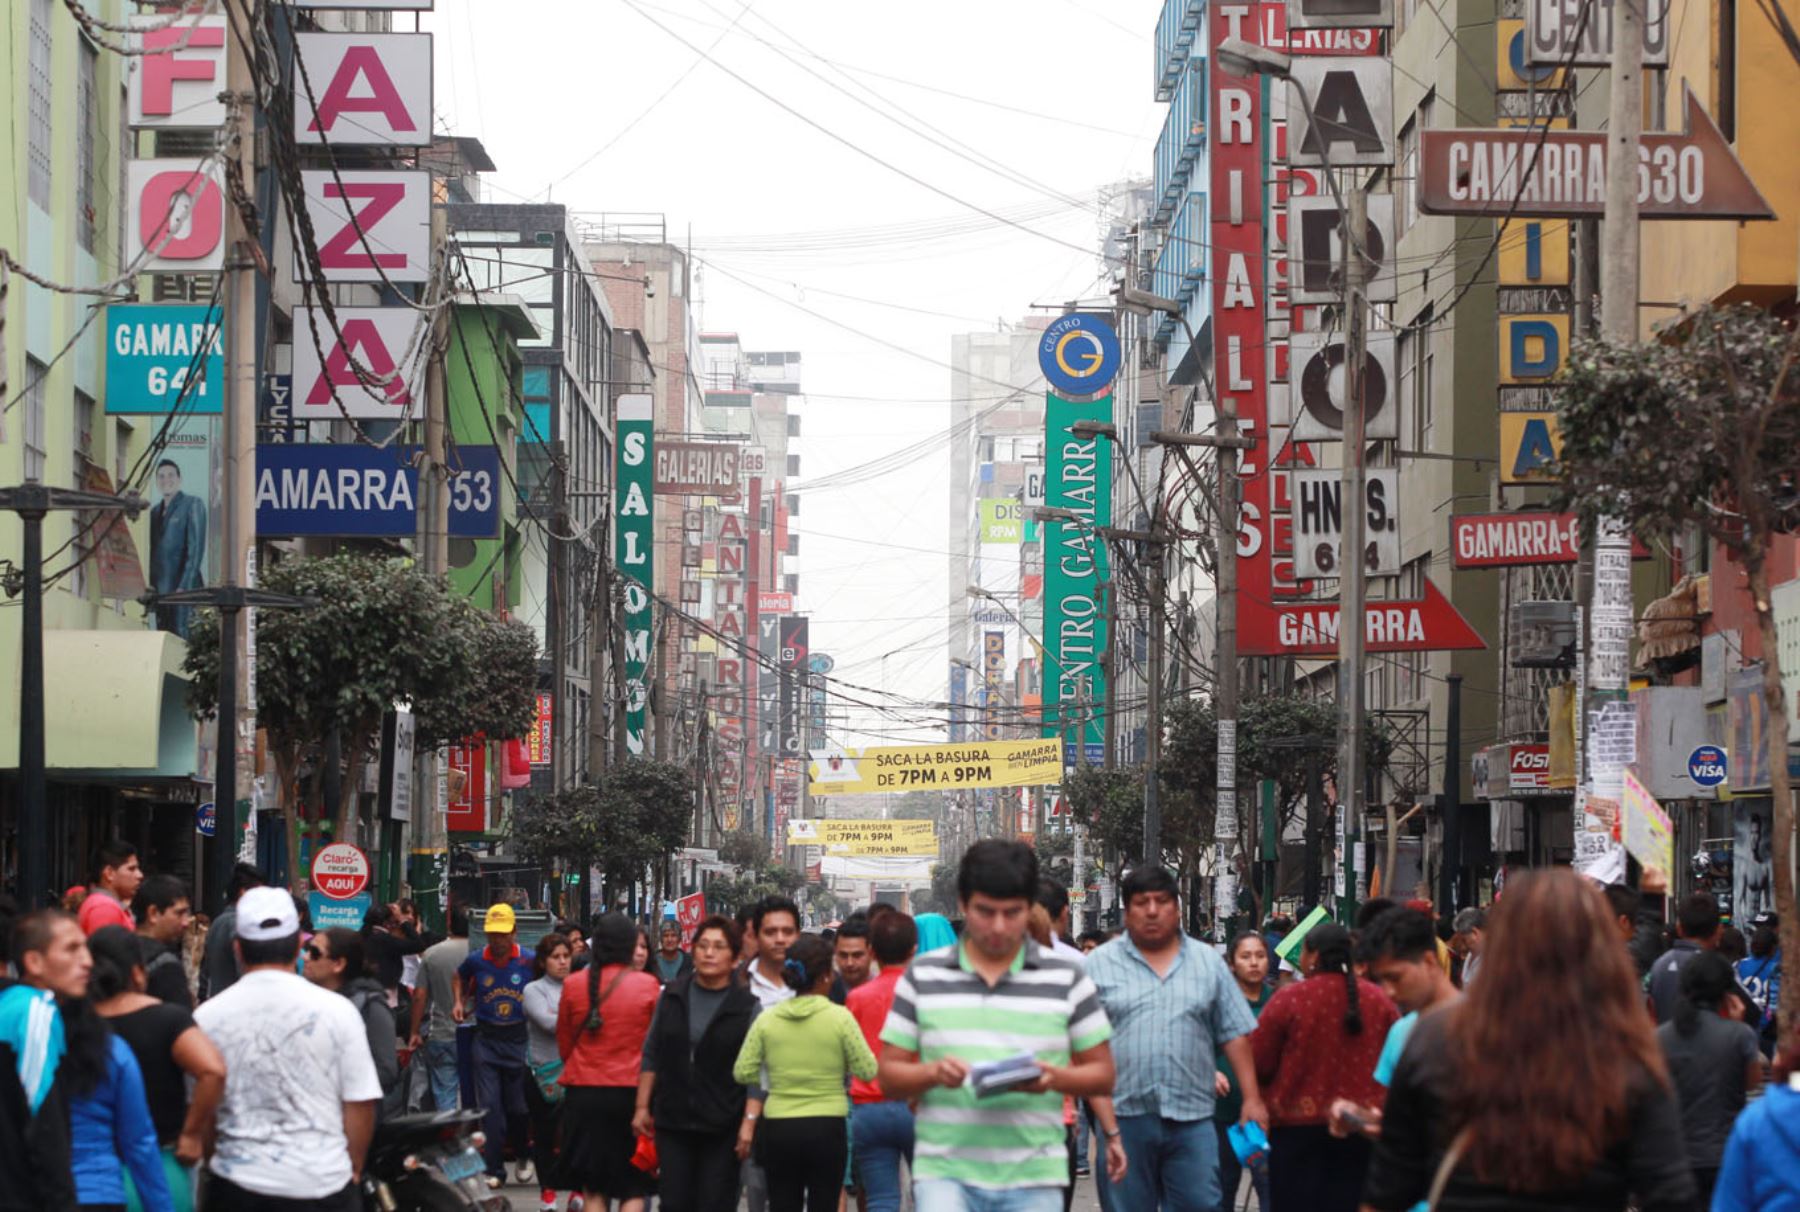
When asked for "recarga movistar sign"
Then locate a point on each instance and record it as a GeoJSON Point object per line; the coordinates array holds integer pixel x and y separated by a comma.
{"type": "Point", "coordinates": [634, 522]}
{"type": "Point", "coordinates": [1078, 478]}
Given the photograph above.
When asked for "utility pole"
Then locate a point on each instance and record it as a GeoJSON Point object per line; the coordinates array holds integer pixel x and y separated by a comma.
{"type": "Point", "coordinates": [1449, 869]}
{"type": "Point", "coordinates": [1609, 607]}
{"type": "Point", "coordinates": [1153, 709]}
{"type": "Point", "coordinates": [1352, 579]}
{"type": "Point", "coordinates": [429, 838]}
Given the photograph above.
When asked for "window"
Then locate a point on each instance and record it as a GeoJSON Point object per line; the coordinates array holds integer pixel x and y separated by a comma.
{"type": "Point", "coordinates": [84, 424]}
{"type": "Point", "coordinates": [793, 424]}
{"type": "Point", "coordinates": [87, 152]}
{"type": "Point", "coordinates": [1414, 355]}
{"type": "Point", "coordinates": [36, 447]}
{"type": "Point", "coordinates": [793, 505]}
{"type": "Point", "coordinates": [793, 465]}
{"type": "Point", "coordinates": [38, 84]}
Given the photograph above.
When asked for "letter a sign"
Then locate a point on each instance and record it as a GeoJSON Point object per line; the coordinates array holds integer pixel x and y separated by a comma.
{"type": "Point", "coordinates": [372, 89]}
{"type": "Point", "coordinates": [385, 342]}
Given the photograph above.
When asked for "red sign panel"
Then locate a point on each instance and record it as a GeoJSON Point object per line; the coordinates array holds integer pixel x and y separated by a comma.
{"type": "Point", "coordinates": [468, 803]}
{"type": "Point", "coordinates": [768, 602]}
{"type": "Point", "coordinates": [1511, 540]}
{"type": "Point", "coordinates": [690, 911]}
{"type": "Point", "coordinates": [538, 740]}
{"type": "Point", "coordinates": [1530, 768]}
{"type": "Point", "coordinates": [340, 871]}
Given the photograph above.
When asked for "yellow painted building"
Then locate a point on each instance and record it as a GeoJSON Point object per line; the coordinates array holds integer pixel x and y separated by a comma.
{"type": "Point", "coordinates": [1739, 68]}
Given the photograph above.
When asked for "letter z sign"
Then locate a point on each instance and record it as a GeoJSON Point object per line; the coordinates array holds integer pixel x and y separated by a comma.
{"type": "Point", "coordinates": [372, 89]}
{"type": "Point", "coordinates": [370, 224]}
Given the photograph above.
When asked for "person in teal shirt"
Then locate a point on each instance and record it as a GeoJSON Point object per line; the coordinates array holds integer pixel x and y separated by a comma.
{"type": "Point", "coordinates": [809, 1046]}
{"type": "Point", "coordinates": [1248, 958]}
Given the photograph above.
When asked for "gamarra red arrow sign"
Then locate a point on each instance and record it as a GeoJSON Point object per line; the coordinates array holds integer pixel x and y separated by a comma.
{"type": "Point", "coordinates": [1310, 628]}
{"type": "Point", "coordinates": [1690, 175]}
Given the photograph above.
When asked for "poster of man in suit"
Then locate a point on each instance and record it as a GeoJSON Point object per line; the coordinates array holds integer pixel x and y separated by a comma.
{"type": "Point", "coordinates": [178, 522]}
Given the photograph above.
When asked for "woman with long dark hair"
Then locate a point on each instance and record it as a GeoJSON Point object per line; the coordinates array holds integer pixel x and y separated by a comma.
{"type": "Point", "coordinates": [111, 1133]}
{"type": "Point", "coordinates": [1544, 1086]}
{"type": "Point", "coordinates": [1248, 958]}
{"type": "Point", "coordinates": [811, 1048]}
{"type": "Point", "coordinates": [1318, 1041]}
{"type": "Point", "coordinates": [170, 1051]}
{"type": "Point", "coordinates": [601, 1023]}
{"type": "Point", "coordinates": [1713, 1062]}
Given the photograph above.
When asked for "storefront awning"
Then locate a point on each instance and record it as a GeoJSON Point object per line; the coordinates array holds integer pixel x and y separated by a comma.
{"type": "Point", "coordinates": [114, 706]}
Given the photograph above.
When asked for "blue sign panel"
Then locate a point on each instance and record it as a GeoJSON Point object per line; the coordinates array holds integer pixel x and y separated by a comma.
{"type": "Point", "coordinates": [155, 350]}
{"type": "Point", "coordinates": [362, 491]}
{"type": "Point", "coordinates": [327, 912]}
{"type": "Point", "coordinates": [1094, 753]}
{"type": "Point", "coordinates": [206, 819]}
{"type": "Point", "coordinates": [1708, 766]}
{"type": "Point", "coordinates": [1079, 355]}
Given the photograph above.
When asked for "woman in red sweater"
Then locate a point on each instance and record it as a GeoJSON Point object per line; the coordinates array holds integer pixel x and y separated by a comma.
{"type": "Point", "coordinates": [1316, 1041]}
{"type": "Point", "coordinates": [601, 1022]}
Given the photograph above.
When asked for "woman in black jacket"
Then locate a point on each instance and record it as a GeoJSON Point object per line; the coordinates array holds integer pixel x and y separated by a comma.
{"type": "Point", "coordinates": [686, 1096]}
{"type": "Point", "coordinates": [1543, 1087]}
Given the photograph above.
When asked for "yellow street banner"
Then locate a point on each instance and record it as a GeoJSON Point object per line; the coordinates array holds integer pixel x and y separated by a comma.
{"type": "Point", "coordinates": [904, 767]}
{"type": "Point", "coordinates": [866, 838]}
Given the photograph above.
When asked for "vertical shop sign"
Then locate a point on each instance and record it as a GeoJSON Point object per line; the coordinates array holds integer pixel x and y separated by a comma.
{"type": "Point", "coordinates": [635, 527]}
{"type": "Point", "coordinates": [1078, 478]}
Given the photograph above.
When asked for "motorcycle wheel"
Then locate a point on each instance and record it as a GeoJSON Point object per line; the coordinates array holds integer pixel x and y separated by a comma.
{"type": "Point", "coordinates": [429, 1191]}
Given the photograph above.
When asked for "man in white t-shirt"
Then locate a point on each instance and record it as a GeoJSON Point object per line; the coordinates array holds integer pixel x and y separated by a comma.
{"type": "Point", "coordinates": [300, 1083]}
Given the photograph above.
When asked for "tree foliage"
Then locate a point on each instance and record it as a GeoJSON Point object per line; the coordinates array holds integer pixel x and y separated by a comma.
{"type": "Point", "coordinates": [634, 817]}
{"type": "Point", "coordinates": [1701, 429]}
{"type": "Point", "coordinates": [1687, 431]}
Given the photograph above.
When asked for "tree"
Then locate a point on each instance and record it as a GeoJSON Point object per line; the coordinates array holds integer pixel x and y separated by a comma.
{"type": "Point", "coordinates": [1111, 804]}
{"type": "Point", "coordinates": [941, 896]}
{"type": "Point", "coordinates": [634, 817]}
{"type": "Point", "coordinates": [380, 632]}
{"type": "Point", "coordinates": [1700, 430]}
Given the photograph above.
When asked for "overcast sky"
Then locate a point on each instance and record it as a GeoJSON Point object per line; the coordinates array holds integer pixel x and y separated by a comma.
{"type": "Point", "coordinates": [590, 104]}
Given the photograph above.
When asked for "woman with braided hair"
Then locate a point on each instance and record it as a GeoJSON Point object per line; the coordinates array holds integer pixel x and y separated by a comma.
{"type": "Point", "coordinates": [809, 1046]}
{"type": "Point", "coordinates": [1318, 1041]}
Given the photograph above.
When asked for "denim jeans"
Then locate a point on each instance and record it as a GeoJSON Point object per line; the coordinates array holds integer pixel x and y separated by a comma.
{"type": "Point", "coordinates": [882, 1134]}
{"type": "Point", "coordinates": [1173, 1166]}
{"type": "Point", "coordinates": [440, 1065]}
{"type": "Point", "coordinates": [944, 1195]}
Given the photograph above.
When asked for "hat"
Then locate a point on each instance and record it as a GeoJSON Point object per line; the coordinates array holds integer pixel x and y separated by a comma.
{"type": "Point", "coordinates": [499, 919]}
{"type": "Point", "coordinates": [266, 913]}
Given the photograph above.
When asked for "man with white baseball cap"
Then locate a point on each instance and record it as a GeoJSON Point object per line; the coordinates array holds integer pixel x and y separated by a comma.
{"type": "Point", "coordinates": [300, 1083]}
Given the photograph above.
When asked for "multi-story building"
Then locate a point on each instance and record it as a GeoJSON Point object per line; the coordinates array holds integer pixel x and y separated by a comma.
{"type": "Point", "coordinates": [565, 449]}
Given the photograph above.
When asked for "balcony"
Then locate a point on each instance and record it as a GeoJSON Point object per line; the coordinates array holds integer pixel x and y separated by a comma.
{"type": "Point", "coordinates": [1176, 32]}
{"type": "Point", "coordinates": [1183, 139]}
{"type": "Point", "coordinates": [1181, 262]}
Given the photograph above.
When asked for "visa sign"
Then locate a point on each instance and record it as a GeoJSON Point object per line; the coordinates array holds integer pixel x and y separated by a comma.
{"type": "Point", "coordinates": [365, 492]}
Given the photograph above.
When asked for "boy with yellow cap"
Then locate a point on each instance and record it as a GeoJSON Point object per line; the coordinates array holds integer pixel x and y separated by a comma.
{"type": "Point", "coordinates": [493, 980]}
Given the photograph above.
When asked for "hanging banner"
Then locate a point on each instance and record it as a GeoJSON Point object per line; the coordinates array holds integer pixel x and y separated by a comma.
{"type": "Point", "coordinates": [1648, 833]}
{"type": "Point", "coordinates": [904, 767]}
{"type": "Point", "coordinates": [635, 529]}
{"type": "Point", "coordinates": [791, 660]}
{"type": "Point", "coordinates": [1078, 478]}
{"type": "Point", "coordinates": [891, 838]}
{"type": "Point", "coordinates": [690, 911]}
{"type": "Point", "coordinates": [538, 742]}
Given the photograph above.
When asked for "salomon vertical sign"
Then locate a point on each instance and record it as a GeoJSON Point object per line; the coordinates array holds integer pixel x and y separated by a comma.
{"type": "Point", "coordinates": [1078, 478]}
{"type": "Point", "coordinates": [634, 530]}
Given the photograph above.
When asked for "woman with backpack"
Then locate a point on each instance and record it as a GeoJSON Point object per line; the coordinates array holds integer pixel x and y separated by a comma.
{"type": "Point", "coordinates": [601, 1023]}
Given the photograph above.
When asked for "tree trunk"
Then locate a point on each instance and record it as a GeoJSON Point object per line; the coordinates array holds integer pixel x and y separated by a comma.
{"type": "Point", "coordinates": [287, 763]}
{"type": "Point", "coordinates": [350, 792]}
{"type": "Point", "coordinates": [1775, 741]}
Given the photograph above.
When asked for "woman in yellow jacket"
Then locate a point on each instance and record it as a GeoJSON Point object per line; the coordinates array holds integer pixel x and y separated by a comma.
{"type": "Point", "coordinates": [807, 1046]}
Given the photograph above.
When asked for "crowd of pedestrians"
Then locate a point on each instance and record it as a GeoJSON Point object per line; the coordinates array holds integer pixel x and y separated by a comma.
{"type": "Point", "coordinates": [1549, 1051]}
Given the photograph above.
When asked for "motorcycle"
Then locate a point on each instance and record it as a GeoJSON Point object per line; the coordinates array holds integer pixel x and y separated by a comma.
{"type": "Point", "coordinates": [428, 1162]}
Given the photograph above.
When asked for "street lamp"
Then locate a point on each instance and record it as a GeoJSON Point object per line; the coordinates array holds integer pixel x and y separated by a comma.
{"type": "Point", "coordinates": [1243, 58]}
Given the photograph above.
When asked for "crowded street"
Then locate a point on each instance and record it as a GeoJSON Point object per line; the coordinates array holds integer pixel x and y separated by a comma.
{"type": "Point", "coordinates": [1016, 606]}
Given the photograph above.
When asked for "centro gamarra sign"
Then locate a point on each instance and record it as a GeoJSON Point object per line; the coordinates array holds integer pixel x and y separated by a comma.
{"type": "Point", "coordinates": [1078, 478]}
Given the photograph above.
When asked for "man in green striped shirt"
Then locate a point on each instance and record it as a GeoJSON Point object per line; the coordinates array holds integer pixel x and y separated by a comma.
{"type": "Point", "coordinates": [991, 996]}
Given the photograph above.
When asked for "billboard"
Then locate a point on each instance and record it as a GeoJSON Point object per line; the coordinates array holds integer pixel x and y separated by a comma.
{"type": "Point", "coordinates": [161, 355]}
{"type": "Point", "coordinates": [697, 468]}
{"type": "Point", "coordinates": [1002, 520]}
{"type": "Point", "coordinates": [794, 635]}
{"type": "Point", "coordinates": [1078, 478]}
{"type": "Point", "coordinates": [634, 533]}
{"type": "Point", "coordinates": [352, 490]}
{"type": "Point", "coordinates": [367, 89]}
{"type": "Point", "coordinates": [183, 517]}
{"type": "Point", "coordinates": [890, 838]}
{"type": "Point", "coordinates": [905, 767]}
{"type": "Point", "coordinates": [370, 226]}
